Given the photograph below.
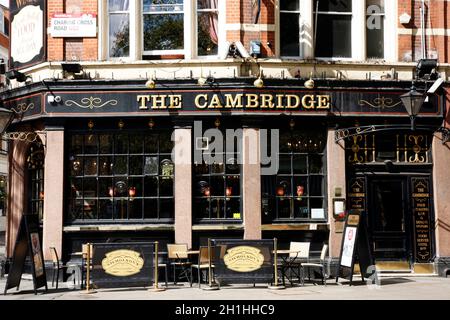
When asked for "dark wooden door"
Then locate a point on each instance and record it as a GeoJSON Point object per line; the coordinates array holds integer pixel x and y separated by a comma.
{"type": "Point", "coordinates": [389, 221]}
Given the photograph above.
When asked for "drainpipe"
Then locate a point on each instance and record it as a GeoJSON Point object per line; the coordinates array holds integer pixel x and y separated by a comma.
{"type": "Point", "coordinates": [422, 23]}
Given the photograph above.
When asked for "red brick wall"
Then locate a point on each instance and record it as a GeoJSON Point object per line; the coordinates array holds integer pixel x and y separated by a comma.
{"type": "Point", "coordinates": [71, 48]}
{"type": "Point", "coordinates": [438, 17]}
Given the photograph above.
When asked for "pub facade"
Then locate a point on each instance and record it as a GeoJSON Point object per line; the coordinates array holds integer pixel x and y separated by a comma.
{"type": "Point", "coordinates": [186, 145]}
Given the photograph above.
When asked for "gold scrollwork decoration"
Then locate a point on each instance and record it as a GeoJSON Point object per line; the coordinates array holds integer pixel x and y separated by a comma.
{"type": "Point", "coordinates": [22, 107]}
{"type": "Point", "coordinates": [91, 103]}
{"type": "Point", "coordinates": [417, 149]}
{"type": "Point", "coordinates": [23, 136]}
{"type": "Point", "coordinates": [380, 103]}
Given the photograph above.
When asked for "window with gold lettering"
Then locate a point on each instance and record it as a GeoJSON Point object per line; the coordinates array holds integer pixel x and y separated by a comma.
{"type": "Point", "coordinates": [120, 176]}
{"type": "Point", "coordinates": [297, 192]}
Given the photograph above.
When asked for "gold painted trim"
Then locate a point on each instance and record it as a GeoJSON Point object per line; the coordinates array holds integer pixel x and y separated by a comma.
{"type": "Point", "coordinates": [91, 103]}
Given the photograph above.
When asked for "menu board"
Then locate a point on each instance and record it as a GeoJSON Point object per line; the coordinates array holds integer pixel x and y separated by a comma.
{"type": "Point", "coordinates": [421, 213]}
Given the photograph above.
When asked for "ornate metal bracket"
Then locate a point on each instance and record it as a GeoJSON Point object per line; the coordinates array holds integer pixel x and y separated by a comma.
{"type": "Point", "coordinates": [344, 133]}
{"type": "Point", "coordinates": [25, 136]}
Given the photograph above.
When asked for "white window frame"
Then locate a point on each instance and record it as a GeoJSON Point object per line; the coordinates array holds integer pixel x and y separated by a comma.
{"type": "Point", "coordinates": [358, 30]}
{"type": "Point", "coordinates": [299, 12]}
{"type": "Point", "coordinates": [137, 32]}
{"type": "Point", "coordinates": [220, 34]}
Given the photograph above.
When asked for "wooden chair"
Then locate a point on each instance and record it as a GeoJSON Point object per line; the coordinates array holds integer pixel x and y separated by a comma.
{"type": "Point", "coordinates": [203, 263]}
{"type": "Point", "coordinates": [162, 263]}
{"type": "Point", "coordinates": [57, 265]}
{"type": "Point", "coordinates": [178, 257]}
{"type": "Point", "coordinates": [321, 265]}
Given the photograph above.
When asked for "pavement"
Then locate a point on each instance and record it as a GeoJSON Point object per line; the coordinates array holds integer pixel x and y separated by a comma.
{"type": "Point", "coordinates": [390, 288]}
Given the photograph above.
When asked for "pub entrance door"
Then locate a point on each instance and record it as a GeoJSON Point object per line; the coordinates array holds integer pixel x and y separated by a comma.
{"type": "Point", "coordinates": [389, 218]}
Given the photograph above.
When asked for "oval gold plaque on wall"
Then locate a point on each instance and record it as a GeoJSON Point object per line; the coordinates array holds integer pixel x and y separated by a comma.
{"type": "Point", "coordinates": [243, 259]}
{"type": "Point", "coordinates": [122, 263]}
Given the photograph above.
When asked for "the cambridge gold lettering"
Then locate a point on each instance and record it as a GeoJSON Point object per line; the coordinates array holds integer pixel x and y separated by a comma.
{"type": "Point", "coordinates": [235, 102]}
{"type": "Point", "coordinates": [175, 101]}
{"type": "Point", "coordinates": [143, 101]}
{"type": "Point", "coordinates": [252, 100]}
{"type": "Point", "coordinates": [215, 103]}
{"type": "Point", "coordinates": [204, 98]}
{"type": "Point", "coordinates": [308, 102]}
{"type": "Point", "coordinates": [159, 101]}
{"type": "Point", "coordinates": [266, 101]}
{"type": "Point", "coordinates": [323, 102]}
{"type": "Point", "coordinates": [289, 104]}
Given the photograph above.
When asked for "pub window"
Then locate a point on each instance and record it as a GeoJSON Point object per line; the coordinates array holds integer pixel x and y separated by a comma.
{"type": "Point", "coordinates": [297, 192]}
{"type": "Point", "coordinates": [334, 29]}
{"type": "Point", "coordinates": [121, 176]}
{"type": "Point", "coordinates": [35, 165]}
{"type": "Point", "coordinates": [119, 28]}
{"type": "Point", "coordinates": [217, 184]}
{"type": "Point", "coordinates": [393, 147]}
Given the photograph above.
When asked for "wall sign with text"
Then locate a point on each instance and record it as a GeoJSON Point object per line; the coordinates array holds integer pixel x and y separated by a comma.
{"type": "Point", "coordinates": [73, 25]}
{"type": "Point", "coordinates": [27, 40]}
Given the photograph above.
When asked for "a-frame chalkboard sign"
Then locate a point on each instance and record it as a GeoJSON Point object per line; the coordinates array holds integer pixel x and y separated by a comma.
{"type": "Point", "coordinates": [27, 243]}
{"type": "Point", "coordinates": [355, 246]}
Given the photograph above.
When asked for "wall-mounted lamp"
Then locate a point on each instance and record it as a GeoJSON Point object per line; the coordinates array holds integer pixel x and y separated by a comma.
{"type": "Point", "coordinates": [7, 116]}
{"type": "Point", "coordinates": [413, 101]}
{"type": "Point", "coordinates": [150, 84]}
{"type": "Point", "coordinates": [72, 69]}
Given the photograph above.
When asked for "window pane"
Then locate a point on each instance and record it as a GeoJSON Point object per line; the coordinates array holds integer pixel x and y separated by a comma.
{"type": "Point", "coordinates": [90, 143]}
{"type": "Point", "coordinates": [336, 5]}
{"type": "Point", "coordinates": [151, 143]}
{"type": "Point", "coordinates": [120, 187]}
{"type": "Point", "coordinates": [105, 209]}
{"type": "Point", "coordinates": [90, 187]}
{"type": "Point", "coordinates": [284, 207]}
{"type": "Point", "coordinates": [315, 185]}
{"type": "Point", "coordinates": [217, 186]}
{"type": "Point", "coordinates": [90, 209]}
{"type": "Point", "coordinates": [300, 187]}
{"type": "Point", "coordinates": [90, 166]}
{"type": "Point", "coordinates": [207, 33]}
{"type": "Point", "coordinates": [135, 209]}
{"type": "Point", "coordinates": [289, 34]}
{"type": "Point", "coordinates": [121, 146]}
{"type": "Point", "coordinates": [151, 166]}
{"type": "Point", "coordinates": [333, 36]}
{"type": "Point", "coordinates": [300, 164]}
{"type": "Point", "coordinates": [76, 166]}
{"type": "Point", "coordinates": [301, 208]}
{"type": "Point", "coordinates": [217, 208]}
{"type": "Point", "coordinates": [118, 5]}
{"type": "Point", "coordinates": [316, 163]}
{"type": "Point", "coordinates": [285, 164]}
{"type": "Point", "coordinates": [166, 208]}
{"type": "Point", "coordinates": [106, 141]}
{"type": "Point", "coordinates": [136, 143]}
{"type": "Point", "coordinates": [76, 209]}
{"type": "Point", "coordinates": [232, 166]}
{"type": "Point", "coordinates": [120, 208]}
{"type": "Point", "coordinates": [233, 209]}
{"type": "Point", "coordinates": [163, 5]}
{"type": "Point", "coordinates": [163, 31]}
{"type": "Point", "coordinates": [105, 187]}
{"type": "Point", "coordinates": [119, 35]}
{"type": "Point", "coordinates": [151, 186]}
{"type": "Point", "coordinates": [283, 186]}
{"type": "Point", "coordinates": [120, 165]}
{"type": "Point", "coordinates": [135, 165]}
{"type": "Point", "coordinates": [378, 3]}
{"type": "Point", "coordinates": [151, 209]}
{"type": "Point", "coordinates": [375, 38]}
{"type": "Point", "coordinates": [166, 187]}
{"type": "Point", "coordinates": [165, 143]}
{"type": "Point", "coordinates": [201, 208]}
{"type": "Point", "coordinates": [232, 186]}
{"type": "Point", "coordinates": [291, 5]}
{"type": "Point", "coordinates": [76, 186]}
{"type": "Point", "coordinates": [106, 166]}
{"type": "Point", "coordinates": [135, 188]}
{"type": "Point", "coordinates": [77, 144]}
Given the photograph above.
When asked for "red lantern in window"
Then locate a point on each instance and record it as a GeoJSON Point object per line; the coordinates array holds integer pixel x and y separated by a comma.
{"type": "Point", "coordinates": [229, 191]}
{"type": "Point", "coordinates": [207, 192]}
{"type": "Point", "coordinates": [280, 191]}
{"type": "Point", "coordinates": [111, 191]}
{"type": "Point", "coordinates": [300, 190]}
{"type": "Point", "coordinates": [132, 192]}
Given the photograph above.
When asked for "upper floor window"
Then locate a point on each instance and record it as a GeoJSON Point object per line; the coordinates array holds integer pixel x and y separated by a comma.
{"type": "Point", "coordinates": [154, 29]}
{"type": "Point", "coordinates": [334, 29]}
{"type": "Point", "coordinates": [119, 28]}
{"type": "Point", "coordinates": [341, 29]}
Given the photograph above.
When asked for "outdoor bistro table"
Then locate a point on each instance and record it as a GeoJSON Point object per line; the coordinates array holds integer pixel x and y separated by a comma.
{"type": "Point", "coordinates": [288, 258]}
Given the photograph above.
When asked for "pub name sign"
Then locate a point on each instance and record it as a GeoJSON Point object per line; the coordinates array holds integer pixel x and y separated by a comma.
{"type": "Point", "coordinates": [249, 101]}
